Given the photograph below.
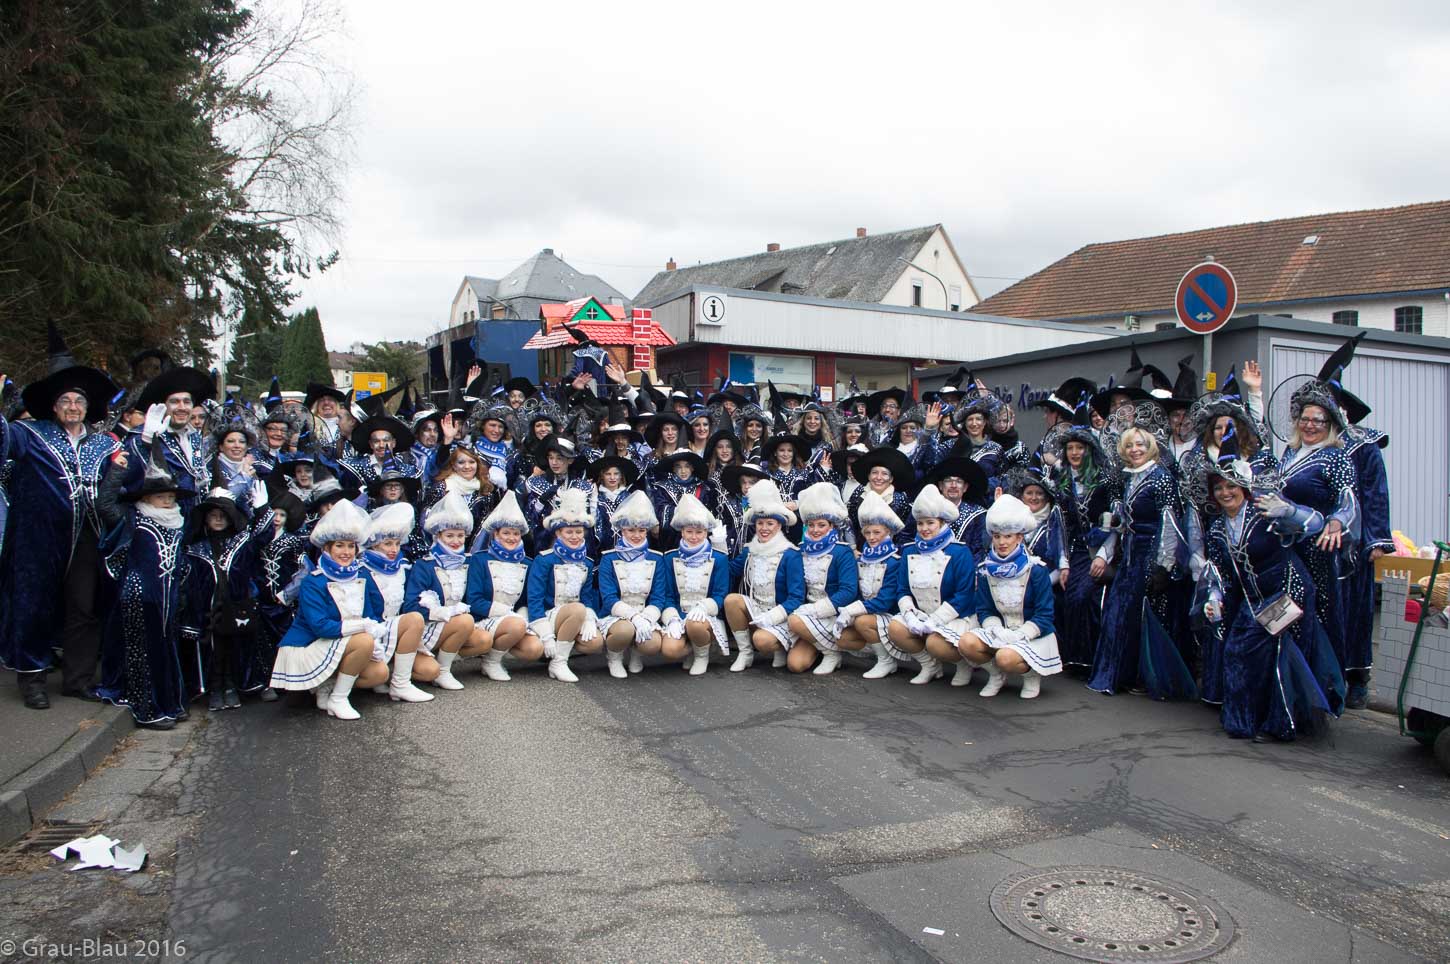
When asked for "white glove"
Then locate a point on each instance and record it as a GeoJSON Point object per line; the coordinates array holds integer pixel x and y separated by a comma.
{"type": "Point", "coordinates": [643, 628]}
{"type": "Point", "coordinates": [1213, 610]}
{"type": "Point", "coordinates": [674, 628]}
{"type": "Point", "coordinates": [544, 629]}
{"type": "Point", "coordinates": [374, 628]}
{"type": "Point", "coordinates": [843, 619]}
{"type": "Point", "coordinates": [259, 494]}
{"type": "Point", "coordinates": [772, 617]}
{"type": "Point", "coordinates": [718, 540]}
{"type": "Point", "coordinates": [698, 613]}
{"type": "Point", "coordinates": [155, 421]}
{"type": "Point", "coordinates": [589, 631]}
{"type": "Point", "coordinates": [916, 621]}
{"type": "Point", "coordinates": [353, 625]}
{"type": "Point", "coordinates": [1273, 506]}
{"type": "Point", "coordinates": [498, 477]}
{"type": "Point", "coordinates": [623, 610]}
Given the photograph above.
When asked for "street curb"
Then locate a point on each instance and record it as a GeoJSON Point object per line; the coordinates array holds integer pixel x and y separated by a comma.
{"type": "Point", "coordinates": [26, 797]}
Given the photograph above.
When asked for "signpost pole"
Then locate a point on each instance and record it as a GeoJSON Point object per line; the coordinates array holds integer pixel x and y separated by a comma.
{"type": "Point", "coordinates": [1210, 382]}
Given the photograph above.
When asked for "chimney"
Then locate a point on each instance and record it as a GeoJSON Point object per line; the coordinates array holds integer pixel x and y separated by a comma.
{"type": "Point", "coordinates": [670, 265]}
{"type": "Point", "coordinates": [860, 232]}
{"type": "Point", "coordinates": [772, 247]}
{"type": "Point", "coordinates": [548, 251]}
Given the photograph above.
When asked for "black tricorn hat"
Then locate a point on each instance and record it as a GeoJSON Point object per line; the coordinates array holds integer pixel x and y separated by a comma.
{"type": "Point", "coordinates": [966, 470]}
{"type": "Point", "coordinates": [730, 478]}
{"type": "Point", "coordinates": [626, 467]}
{"type": "Point", "coordinates": [66, 375]}
{"type": "Point", "coordinates": [362, 435]}
{"type": "Point", "coordinates": [317, 391]}
{"type": "Point", "coordinates": [903, 475]}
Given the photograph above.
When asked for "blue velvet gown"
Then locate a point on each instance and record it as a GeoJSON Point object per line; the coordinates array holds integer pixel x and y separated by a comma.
{"type": "Point", "coordinates": [141, 652]}
{"type": "Point", "coordinates": [52, 488]}
{"type": "Point", "coordinates": [1323, 480]}
{"type": "Point", "coordinates": [1372, 489]}
{"type": "Point", "coordinates": [1079, 619]}
{"type": "Point", "coordinates": [1148, 538]}
{"type": "Point", "coordinates": [239, 564]}
{"type": "Point", "coordinates": [1272, 685]}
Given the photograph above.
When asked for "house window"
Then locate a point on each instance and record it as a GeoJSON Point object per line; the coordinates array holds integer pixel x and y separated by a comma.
{"type": "Point", "coordinates": [592, 313]}
{"type": "Point", "coordinates": [916, 294]}
{"type": "Point", "coordinates": [497, 311]}
{"type": "Point", "coordinates": [1410, 320]}
{"type": "Point", "coordinates": [956, 304]}
{"type": "Point", "coordinates": [1347, 318]}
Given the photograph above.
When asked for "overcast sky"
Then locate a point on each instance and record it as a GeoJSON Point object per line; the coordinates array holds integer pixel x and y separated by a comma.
{"type": "Point", "coordinates": [622, 134]}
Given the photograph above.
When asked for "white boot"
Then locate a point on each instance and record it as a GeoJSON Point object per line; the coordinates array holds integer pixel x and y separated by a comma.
{"type": "Point", "coordinates": [400, 686]}
{"type": "Point", "coordinates": [381, 689]}
{"type": "Point", "coordinates": [322, 693]}
{"type": "Point", "coordinates": [930, 669]}
{"type": "Point", "coordinates": [885, 663]}
{"type": "Point", "coordinates": [702, 660]}
{"type": "Point", "coordinates": [337, 704]}
{"type": "Point", "coordinates": [1031, 685]}
{"type": "Point", "coordinates": [445, 679]}
{"type": "Point", "coordinates": [636, 661]}
{"type": "Point", "coordinates": [778, 660]}
{"type": "Point", "coordinates": [962, 675]}
{"type": "Point", "coordinates": [995, 680]}
{"type": "Point", "coordinates": [493, 666]}
{"type": "Point", "coordinates": [559, 664]}
{"type": "Point", "coordinates": [615, 661]}
{"type": "Point", "coordinates": [745, 651]}
{"type": "Point", "coordinates": [830, 659]}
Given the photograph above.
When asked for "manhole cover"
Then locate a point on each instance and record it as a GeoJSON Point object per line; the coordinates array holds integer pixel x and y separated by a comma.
{"type": "Point", "coordinates": [1111, 914]}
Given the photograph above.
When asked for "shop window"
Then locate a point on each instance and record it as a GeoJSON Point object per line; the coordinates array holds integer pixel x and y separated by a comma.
{"type": "Point", "coordinates": [1410, 320]}
{"type": "Point", "coordinates": [1348, 318]}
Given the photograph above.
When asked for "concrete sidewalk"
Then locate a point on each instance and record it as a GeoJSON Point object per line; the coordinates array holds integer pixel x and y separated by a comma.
{"type": "Point", "coordinates": [46, 753]}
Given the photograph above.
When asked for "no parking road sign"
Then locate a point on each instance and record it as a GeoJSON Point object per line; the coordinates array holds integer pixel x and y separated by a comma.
{"type": "Point", "coordinates": [1206, 298]}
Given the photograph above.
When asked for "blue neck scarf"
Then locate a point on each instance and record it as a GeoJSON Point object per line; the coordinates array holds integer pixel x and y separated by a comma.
{"type": "Point", "coordinates": [814, 547]}
{"type": "Point", "coordinates": [880, 552]}
{"type": "Point", "coordinates": [939, 541]}
{"type": "Point", "coordinates": [515, 555]}
{"type": "Point", "coordinates": [497, 453]}
{"type": "Point", "coordinates": [381, 564]}
{"type": "Point", "coordinates": [447, 558]}
{"type": "Point", "coordinates": [579, 556]}
{"type": "Point", "coordinates": [697, 556]}
{"type": "Point", "coordinates": [336, 572]}
{"type": "Point", "coordinates": [1009, 568]}
{"type": "Point", "coordinates": [629, 553]}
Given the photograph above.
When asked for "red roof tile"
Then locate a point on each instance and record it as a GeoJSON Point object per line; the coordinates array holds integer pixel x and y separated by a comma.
{"type": "Point", "coordinates": [604, 332]}
{"type": "Point", "coordinates": [1357, 252]}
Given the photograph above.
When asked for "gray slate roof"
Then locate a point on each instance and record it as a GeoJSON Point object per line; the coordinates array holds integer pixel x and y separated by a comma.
{"type": "Point", "coordinates": [547, 277]}
{"type": "Point", "coordinates": [484, 288]}
{"type": "Point", "coordinates": [854, 269]}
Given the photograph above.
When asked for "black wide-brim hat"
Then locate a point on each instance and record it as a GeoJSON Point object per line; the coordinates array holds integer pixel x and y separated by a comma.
{"type": "Point", "coordinates": [196, 525]}
{"type": "Point", "coordinates": [520, 384]}
{"type": "Point", "coordinates": [966, 470]}
{"type": "Point", "coordinates": [195, 382]}
{"type": "Point", "coordinates": [768, 447]}
{"type": "Point", "coordinates": [402, 435]}
{"type": "Point", "coordinates": [1064, 400]}
{"type": "Point", "coordinates": [903, 476]}
{"type": "Point", "coordinates": [1355, 408]}
{"type": "Point", "coordinates": [874, 400]}
{"type": "Point", "coordinates": [289, 503]}
{"type": "Point", "coordinates": [652, 430]}
{"type": "Point", "coordinates": [730, 477]}
{"type": "Point", "coordinates": [626, 467]}
{"type": "Point", "coordinates": [607, 436]}
{"type": "Point", "coordinates": [1101, 402]}
{"type": "Point", "coordinates": [39, 396]}
{"type": "Point", "coordinates": [697, 464]}
{"type": "Point", "coordinates": [723, 435]}
{"type": "Point", "coordinates": [554, 443]}
{"type": "Point", "coordinates": [728, 396]}
{"type": "Point", "coordinates": [411, 485]}
{"type": "Point", "coordinates": [317, 391]}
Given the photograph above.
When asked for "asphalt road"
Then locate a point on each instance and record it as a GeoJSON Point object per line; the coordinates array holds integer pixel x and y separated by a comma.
{"type": "Point", "coordinates": [760, 816]}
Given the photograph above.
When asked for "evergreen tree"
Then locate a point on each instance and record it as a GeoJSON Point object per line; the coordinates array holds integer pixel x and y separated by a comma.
{"type": "Point", "coordinates": [256, 354]}
{"type": "Point", "coordinates": [304, 352]}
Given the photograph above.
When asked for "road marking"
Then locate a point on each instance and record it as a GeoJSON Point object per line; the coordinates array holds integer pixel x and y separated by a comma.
{"type": "Point", "coordinates": [1421, 825]}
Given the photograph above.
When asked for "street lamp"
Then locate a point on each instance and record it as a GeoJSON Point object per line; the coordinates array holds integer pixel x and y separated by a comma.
{"type": "Point", "coordinates": [946, 299]}
{"type": "Point", "coordinates": [227, 344]}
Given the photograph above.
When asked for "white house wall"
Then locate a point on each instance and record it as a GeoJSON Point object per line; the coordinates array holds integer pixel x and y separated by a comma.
{"type": "Point", "coordinates": [845, 328]}
{"type": "Point", "coordinates": [1378, 313]}
{"type": "Point", "coordinates": [936, 257]}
